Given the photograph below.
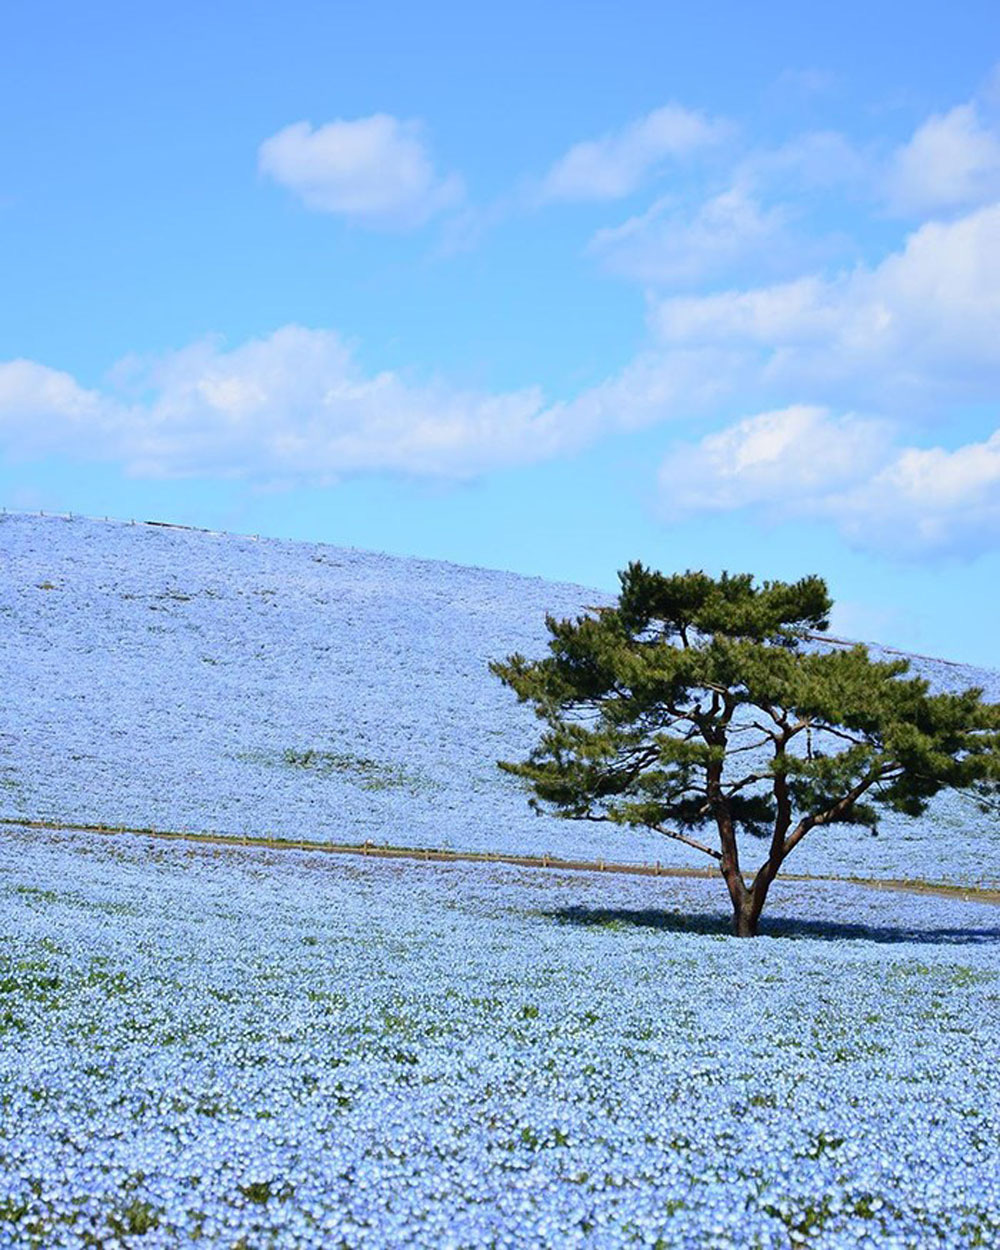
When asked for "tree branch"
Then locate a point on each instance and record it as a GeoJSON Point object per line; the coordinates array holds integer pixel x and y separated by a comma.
{"type": "Point", "coordinates": [750, 746]}
{"type": "Point", "coordinates": [732, 787]}
{"type": "Point", "coordinates": [783, 818]}
{"type": "Point", "coordinates": [840, 808]}
{"type": "Point", "coordinates": [840, 733]}
{"type": "Point", "coordinates": [780, 721]}
{"type": "Point", "coordinates": [682, 837]}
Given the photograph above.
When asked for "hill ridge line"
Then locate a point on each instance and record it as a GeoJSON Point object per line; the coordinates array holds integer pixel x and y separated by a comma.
{"type": "Point", "coordinates": [831, 640]}
{"type": "Point", "coordinates": [243, 536]}
{"type": "Point", "coordinates": [370, 850]}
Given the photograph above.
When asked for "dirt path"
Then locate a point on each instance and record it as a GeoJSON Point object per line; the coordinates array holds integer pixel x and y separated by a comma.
{"type": "Point", "coordinates": [430, 855]}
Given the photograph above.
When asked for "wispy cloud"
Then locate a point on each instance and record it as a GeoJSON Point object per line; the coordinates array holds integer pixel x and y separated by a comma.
{"type": "Point", "coordinates": [815, 160]}
{"type": "Point", "coordinates": [376, 170]}
{"type": "Point", "coordinates": [617, 163]}
{"type": "Point", "coordinates": [808, 81]}
{"type": "Point", "coordinates": [668, 244]}
{"type": "Point", "coordinates": [753, 217]}
{"type": "Point", "coordinates": [952, 161]}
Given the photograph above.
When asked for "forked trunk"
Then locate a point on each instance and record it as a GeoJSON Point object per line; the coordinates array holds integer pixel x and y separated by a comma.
{"type": "Point", "coordinates": [747, 908]}
{"type": "Point", "coordinates": [744, 915]}
{"type": "Point", "coordinates": [747, 904]}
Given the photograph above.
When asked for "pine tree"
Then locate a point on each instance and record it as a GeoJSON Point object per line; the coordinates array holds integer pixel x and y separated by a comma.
{"type": "Point", "coordinates": [699, 703]}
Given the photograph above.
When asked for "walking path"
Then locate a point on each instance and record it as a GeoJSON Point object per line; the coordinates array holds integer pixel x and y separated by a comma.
{"type": "Point", "coordinates": [431, 855]}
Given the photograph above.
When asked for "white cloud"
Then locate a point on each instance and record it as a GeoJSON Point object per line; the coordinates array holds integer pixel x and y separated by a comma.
{"type": "Point", "coordinates": [952, 161]}
{"type": "Point", "coordinates": [295, 406]}
{"type": "Point", "coordinates": [617, 163]}
{"type": "Point", "coordinates": [909, 338]}
{"type": "Point", "coordinates": [28, 389]}
{"type": "Point", "coordinates": [776, 460]}
{"type": "Point", "coordinates": [666, 245]}
{"type": "Point", "coordinates": [40, 408]}
{"type": "Point", "coordinates": [292, 406]}
{"type": "Point", "coordinates": [757, 223]}
{"type": "Point", "coordinates": [375, 170]}
{"type": "Point", "coordinates": [921, 328]}
{"type": "Point", "coordinates": [816, 160]}
{"type": "Point", "coordinates": [806, 463]}
{"type": "Point", "coordinates": [929, 501]}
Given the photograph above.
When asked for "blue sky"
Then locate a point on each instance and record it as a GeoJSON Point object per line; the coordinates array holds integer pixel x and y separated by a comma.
{"type": "Point", "coordinates": [545, 288]}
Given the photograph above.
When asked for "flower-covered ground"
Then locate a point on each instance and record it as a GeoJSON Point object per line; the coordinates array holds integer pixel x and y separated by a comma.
{"type": "Point", "coordinates": [272, 1049]}
{"type": "Point", "coordinates": [253, 1049]}
{"type": "Point", "coordinates": [163, 678]}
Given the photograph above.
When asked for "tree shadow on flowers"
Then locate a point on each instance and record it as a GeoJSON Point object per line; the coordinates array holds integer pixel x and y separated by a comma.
{"type": "Point", "coordinates": [717, 924]}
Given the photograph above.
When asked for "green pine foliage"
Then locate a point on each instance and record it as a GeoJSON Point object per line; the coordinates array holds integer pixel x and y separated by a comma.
{"type": "Point", "coordinates": [700, 703]}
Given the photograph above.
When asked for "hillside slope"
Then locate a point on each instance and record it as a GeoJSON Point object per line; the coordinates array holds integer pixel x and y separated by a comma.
{"type": "Point", "coordinates": [185, 679]}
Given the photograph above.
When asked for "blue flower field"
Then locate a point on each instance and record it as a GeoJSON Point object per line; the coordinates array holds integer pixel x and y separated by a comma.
{"type": "Point", "coordinates": [256, 1048]}
{"type": "Point", "coordinates": [157, 677]}
{"type": "Point", "coordinates": [266, 1049]}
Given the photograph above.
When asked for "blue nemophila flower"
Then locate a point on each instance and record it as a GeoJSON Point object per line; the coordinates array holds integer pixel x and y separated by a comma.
{"type": "Point", "coordinates": [481, 1058]}
{"type": "Point", "coordinates": [212, 682]}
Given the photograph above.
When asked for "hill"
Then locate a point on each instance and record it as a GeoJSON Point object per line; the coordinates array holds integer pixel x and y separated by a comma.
{"type": "Point", "coordinates": [193, 680]}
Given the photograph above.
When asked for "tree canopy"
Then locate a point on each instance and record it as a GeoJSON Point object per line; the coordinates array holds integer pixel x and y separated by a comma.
{"type": "Point", "coordinates": [705, 704]}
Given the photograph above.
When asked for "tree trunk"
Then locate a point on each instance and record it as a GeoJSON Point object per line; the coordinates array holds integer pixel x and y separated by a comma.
{"type": "Point", "coordinates": [745, 916]}
{"type": "Point", "coordinates": [729, 864]}
{"type": "Point", "coordinates": [745, 919]}
{"type": "Point", "coordinates": [741, 899]}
